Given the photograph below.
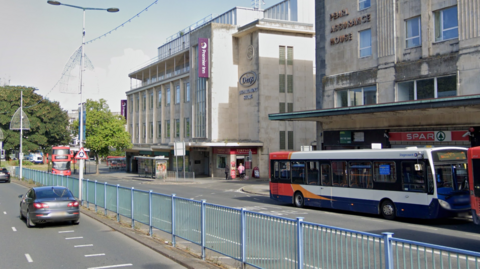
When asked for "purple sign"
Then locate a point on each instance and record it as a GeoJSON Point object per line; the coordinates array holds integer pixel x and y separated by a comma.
{"type": "Point", "coordinates": [123, 109]}
{"type": "Point", "coordinates": [203, 57]}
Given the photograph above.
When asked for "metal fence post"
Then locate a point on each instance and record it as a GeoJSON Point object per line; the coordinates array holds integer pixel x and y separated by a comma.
{"type": "Point", "coordinates": [95, 195]}
{"type": "Point", "coordinates": [173, 219]}
{"type": "Point", "coordinates": [67, 183]}
{"type": "Point", "coordinates": [105, 198]}
{"type": "Point", "coordinates": [243, 237]}
{"type": "Point", "coordinates": [388, 250]}
{"type": "Point", "coordinates": [88, 205]}
{"type": "Point", "coordinates": [203, 228]}
{"type": "Point", "coordinates": [133, 220]}
{"type": "Point", "coordinates": [300, 242]}
{"type": "Point", "coordinates": [150, 213]}
{"type": "Point", "coordinates": [118, 214]}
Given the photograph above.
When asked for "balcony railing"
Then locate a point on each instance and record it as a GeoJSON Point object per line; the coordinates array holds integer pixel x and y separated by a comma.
{"type": "Point", "coordinates": [170, 73]}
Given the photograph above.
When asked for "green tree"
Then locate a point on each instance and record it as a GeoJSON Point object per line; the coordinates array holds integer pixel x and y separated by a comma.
{"type": "Point", "coordinates": [104, 131]}
{"type": "Point", "coordinates": [48, 121]}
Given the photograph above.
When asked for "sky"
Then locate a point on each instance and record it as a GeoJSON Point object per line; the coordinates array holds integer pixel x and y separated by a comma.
{"type": "Point", "coordinates": [37, 40]}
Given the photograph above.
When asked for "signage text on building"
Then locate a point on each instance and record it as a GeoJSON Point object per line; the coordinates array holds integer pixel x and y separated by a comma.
{"type": "Point", "coordinates": [203, 57]}
{"type": "Point", "coordinates": [248, 79]}
{"type": "Point", "coordinates": [428, 136]}
{"type": "Point", "coordinates": [344, 25]}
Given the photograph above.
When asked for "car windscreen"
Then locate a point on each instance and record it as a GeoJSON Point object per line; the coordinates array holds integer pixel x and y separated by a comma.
{"type": "Point", "coordinates": [53, 193]}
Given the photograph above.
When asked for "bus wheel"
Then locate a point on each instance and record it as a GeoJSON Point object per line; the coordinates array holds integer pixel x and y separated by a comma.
{"type": "Point", "coordinates": [298, 199]}
{"type": "Point", "coordinates": [387, 209]}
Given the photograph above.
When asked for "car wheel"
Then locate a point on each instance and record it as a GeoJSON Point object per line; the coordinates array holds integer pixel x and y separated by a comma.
{"type": "Point", "coordinates": [30, 223]}
{"type": "Point", "coordinates": [298, 199]}
{"type": "Point", "coordinates": [387, 209]}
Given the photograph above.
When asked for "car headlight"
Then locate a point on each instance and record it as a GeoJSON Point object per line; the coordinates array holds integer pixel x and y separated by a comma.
{"type": "Point", "coordinates": [444, 204]}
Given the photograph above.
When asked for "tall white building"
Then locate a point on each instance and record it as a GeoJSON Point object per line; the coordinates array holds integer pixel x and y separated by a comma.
{"type": "Point", "coordinates": [214, 84]}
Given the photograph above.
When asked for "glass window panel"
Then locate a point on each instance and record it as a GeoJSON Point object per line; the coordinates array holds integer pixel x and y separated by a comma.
{"type": "Point", "coordinates": [151, 100]}
{"type": "Point", "coordinates": [150, 126]}
{"type": "Point", "coordinates": [413, 180]}
{"type": "Point", "coordinates": [298, 172]}
{"type": "Point", "coordinates": [167, 129]}
{"type": "Point", "coordinates": [361, 175]}
{"type": "Point", "coordinates": [326, 176]}
{"type": "Point", "coordinates": [187, 92]}
{"type": "Point", "coordinates": [339, 170]}
{"type": "Point", "coordinates": [159, 98]}
{"type": "Point", "coordinates": [370, 95]}
{"type": "Point", "coordinates": [221, 161]}
{"type": "Point", "coordinates": [177, 94]}
{"type": "Point", "coordinates": [413, 30]}
{"type": "Point", "coordinates": [449, 34]}
{"type": "Point", "coordinates": [425, 89]}
{"type": "Point", "coordinates": [313, 173]}
{"type": "Point", "coordinates": [356, 97]}
{"type": "Point", "coordinates": [366, 43]}
{"type": "Point", "coordinates": [282, 107]}
{"type": "Point", "coordinates": [363, 4]}
{"type": "Point", "coordinates": [281, 81]}
{"type": "Point", "coordinates": [438, 28]}
{"type": "Point", "coordinates": [168, 96]}
{"type": "Point", "coordinates": [290, 139]}
{"type": "Point", "coordinates": [285, 171]}
{"type": "Point", "coordinates": [282, 140]}
{"type": "Point", "coordinates": [289, 55]}
{"type": "Point", "coordinates": [159, 129]}
{"type": "Point", "coordinates": [406, 91]}
{"type": "Point", "coordinates": [290, 107]}
{"type": "Point", "coordinates": [447, 86]}
{"type": "Point", "coordinates": [187, 127]}
{"type": "Point", "coordinates": [342, 98]}
{"type": "Point", "coordinates": [384, 172]}
{"type": "Point", "coordinates": [281, 55]}
{"type": "Point", "coordinates": [177, 127]}
{"type": "Point", "coordinates": [290, 83]}
{"type": "Point", "coordinates": [450, 19]}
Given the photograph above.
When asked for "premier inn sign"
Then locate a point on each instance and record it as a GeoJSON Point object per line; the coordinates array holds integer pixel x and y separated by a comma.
{"type": "Point", "coordinates": [203, 57]}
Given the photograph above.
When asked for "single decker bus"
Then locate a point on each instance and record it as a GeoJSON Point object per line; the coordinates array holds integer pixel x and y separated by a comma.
{"type": "Point", "coordinates": [412, 182]}
{"type": "Point", "coordinates": [60, 160]}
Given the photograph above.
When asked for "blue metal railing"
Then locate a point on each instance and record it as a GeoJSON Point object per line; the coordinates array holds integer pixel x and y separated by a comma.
{"type": "Point", "coordinates": [261, 240]}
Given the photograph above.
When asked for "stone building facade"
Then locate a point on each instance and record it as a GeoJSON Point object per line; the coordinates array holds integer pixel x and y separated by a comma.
{"type": "Point", "coordinates": [257, 62]}
{"type": "Point", "coordinates": [400, 73]}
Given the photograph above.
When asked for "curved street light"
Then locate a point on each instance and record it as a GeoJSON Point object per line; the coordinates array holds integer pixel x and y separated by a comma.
{"type": "Point", "coordinates": [112, 9]}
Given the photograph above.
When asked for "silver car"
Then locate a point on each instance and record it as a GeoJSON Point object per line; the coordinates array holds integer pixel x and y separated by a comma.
{"type": "Point", "coordinates": [49, 204]}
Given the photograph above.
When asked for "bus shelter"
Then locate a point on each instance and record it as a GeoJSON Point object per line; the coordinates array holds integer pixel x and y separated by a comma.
{"type": "Point", "coordinates": [152, 167]}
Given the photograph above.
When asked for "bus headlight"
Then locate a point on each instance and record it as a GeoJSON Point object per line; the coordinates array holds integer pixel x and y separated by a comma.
{"type": "Point", "coordinates": [444, 204]}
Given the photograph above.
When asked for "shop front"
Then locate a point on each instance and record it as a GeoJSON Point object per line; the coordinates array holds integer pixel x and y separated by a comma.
{"type": "Point", "coordinates": [152, 167]}
{"type": "Point", "coordinates": [233, 158]}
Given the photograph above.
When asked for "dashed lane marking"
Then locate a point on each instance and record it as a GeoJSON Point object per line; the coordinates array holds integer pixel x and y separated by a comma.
{"type": "Point", "coordinates": [14, 229]}
{"type": "Point", "coordinates": [61, 232]}
{"type": "Point", "coordinates": [29, 259]}
{"type": "Point", "coordinates": [95, 255]}
{"type": "Point", "coordinates": [112, 266]}
{"type": "Point", "coordinates": [71, 238]}
{"type": "Point", "coordinates": [83, 246]}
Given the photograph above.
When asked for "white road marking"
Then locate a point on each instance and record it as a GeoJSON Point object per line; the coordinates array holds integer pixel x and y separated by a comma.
{"type": "Point", "coordinates": [5, 212]}
{"type": "Point", "coordinates": [112, 266]}
{"type": "Point", "coordinates": [13, 228]}
{"type": "Point", "coordinates": [61, 232]}
{"type": "Point", "coordinates": [70, 238]}
{"type": "Point", "coordinates": [29, 259]}
{"type": "Point", "coordinates": [95, 255]}
{"type": "Point", "coordinates": [82, 246]}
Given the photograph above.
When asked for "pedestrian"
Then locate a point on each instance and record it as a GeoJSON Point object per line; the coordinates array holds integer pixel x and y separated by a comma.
{"type": "Point", "coordinates": [227, 170]}
{"type": "Point", "coordinates": [241, 169]}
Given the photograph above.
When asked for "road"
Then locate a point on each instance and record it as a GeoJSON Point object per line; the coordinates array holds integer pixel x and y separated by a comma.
{"type": "Point", "coordinates": [457, 233]}
{"type": "Point", "coordinates": [87, 245]}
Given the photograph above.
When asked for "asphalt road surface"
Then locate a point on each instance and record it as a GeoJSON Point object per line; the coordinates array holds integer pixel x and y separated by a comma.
{"type": "Point", "coordinates": [87, 245]}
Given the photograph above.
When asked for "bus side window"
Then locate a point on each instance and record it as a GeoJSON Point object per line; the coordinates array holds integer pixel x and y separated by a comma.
{"type": "Point", "coordinates": [339, 170]}
{"type": "Point", "coordinates": [430, 186]}
{"type": "Point", "coordinates": [312, 173]}
{"type": "Point", "coordinates": [326, 175]}
{"type": "Point", "coordinates": [276, 171]}
{"type": "Point", "coordinates": [298, 172]}
{"type": "Point", "coordinates": [285, 172]}
{"type": "Point", "coordinates": [413, 180]}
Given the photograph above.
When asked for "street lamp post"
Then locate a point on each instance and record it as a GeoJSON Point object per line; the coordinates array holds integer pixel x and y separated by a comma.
{"type": "Point", "coordinates": [112, 9]}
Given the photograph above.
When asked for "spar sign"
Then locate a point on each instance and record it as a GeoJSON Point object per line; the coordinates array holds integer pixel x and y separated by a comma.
{"type": "Point", "coordinates": [429, 136]}
{"type": "Point", "coordinates": [203, 57]}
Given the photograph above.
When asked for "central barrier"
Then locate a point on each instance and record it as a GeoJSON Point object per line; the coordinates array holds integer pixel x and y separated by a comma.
{"type": "Point", "coordinates": [256, 239]}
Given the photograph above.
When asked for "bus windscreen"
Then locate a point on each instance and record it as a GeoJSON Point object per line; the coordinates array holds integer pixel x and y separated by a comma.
{"type": "Point", "coordinates": [61, 152]}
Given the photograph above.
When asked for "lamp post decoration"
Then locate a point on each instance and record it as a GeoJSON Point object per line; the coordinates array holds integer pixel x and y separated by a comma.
{"type": "Point", "coordinates": [112, 9]}
{"type": "Point", "coordinates": [20, 122]}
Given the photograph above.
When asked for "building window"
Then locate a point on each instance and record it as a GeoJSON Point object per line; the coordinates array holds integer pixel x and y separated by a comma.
{"type": "Point", "coordinates": [131, 105]}
{"type": "Point", "coordinates": [427, 88]}
{"type": "Point", "coordinates": [282, 140]}
{"type": "Point", "coordinates": [186, 127]}
{"type": "Point", "coordinates": [413, 32]}
{"type": "Point", "coordinates": [365, 43]}
{"type": "Point", "coordinates": [159, 98]}
{"type": "Point", "coordinates": [138, 103]}
{"type": "Point", "coordinates": [168, 96]}
{"type": "Point", "coordinates": [150, 126]}
{"type": "Point", "coordinates": [281, 82]}
{"type": "Point", "coordinates": [136, 130]}
{"type": "Point", "coordinates": [151, 100]}
{"type": "Point", "coordinates": [144, 130]}
{"type": "Point", "coordinates": [290, 83]}
{"type": "Point", "coordinates": [446, 24]}
{"type": "Point", "coordinates": [177, 94]}
{"type": "Point", "coordinates": [290, 140]}
{"type": "Point", "coordinates": [221, 161]}
{"type": "Point", "coordinates": [186, 88]}
{"type": "Point", "coordinates": [281, 108]}
{"type": "Point", "coordinates": [357, 97]}
{"type": "Point", "coordinates": [363, 4]}
{"type": "Point", "coordinates": [144, 101]}
{"type": "Point", "coordinates": [289, 55]}
{"type": "Point", "coordinates": [167, 129]}
{"type": "Point", "coordinates": [177, 127]}
{"type": "Point", "coordinates": [289, 107]}
{"type": "Point", "coordinates": [159, 129]}
{"type": "Point", "coordinates": [281, 55]}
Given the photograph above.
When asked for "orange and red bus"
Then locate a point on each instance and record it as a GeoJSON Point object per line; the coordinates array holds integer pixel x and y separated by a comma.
{"type": "Point", "coordinates": [411, 182]}
{"type": "Point", "coordinates": [474, 182]}
{"type": "Point", "coordinates": [61, 158]}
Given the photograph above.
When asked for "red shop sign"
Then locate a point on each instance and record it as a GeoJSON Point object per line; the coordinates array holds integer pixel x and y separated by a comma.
{"type": "Point", "coordinates": [429, 136]}
{"type": "Point", "coordinates": [243, 151]}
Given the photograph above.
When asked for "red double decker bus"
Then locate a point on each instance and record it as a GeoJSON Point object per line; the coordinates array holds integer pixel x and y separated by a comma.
{"type": "Point", "coordinates": [61, 159]}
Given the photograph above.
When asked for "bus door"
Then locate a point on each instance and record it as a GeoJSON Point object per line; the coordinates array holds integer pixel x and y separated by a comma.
{"type": "Point", "coordinates": [326, 182]}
